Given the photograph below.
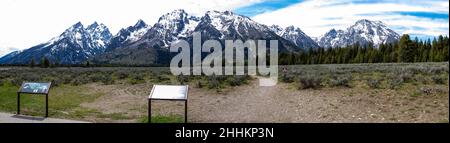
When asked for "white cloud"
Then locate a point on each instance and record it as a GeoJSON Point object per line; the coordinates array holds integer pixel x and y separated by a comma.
{"type": "Point", "coordinates": [25, 23]}
{"type": "Point", "coordinates": [319, 16]}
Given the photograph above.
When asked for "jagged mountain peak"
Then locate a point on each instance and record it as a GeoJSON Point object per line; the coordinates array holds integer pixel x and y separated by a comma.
{"type": "Point", "coordinates": [77, 25]}
{"type": "Point", "coordinates": [226, 16]}
{"type": "Point", "coordinates": [97, 26]}
{"type": "Point", "coordinates": [277, 29]}
{"type": "Point", "coordinates": [292, 28]}
{"type": "Point", "coordinates": [140, 24]}
{"type": "Point", "coordinates": [170, 27]}
{"type": "Point", "coordinates": [368, 22]}
{"type": "Point", "coordinates": [295, 35]}
{"type": "Point", "coordinates": [178, 14]}
{"type": "Point", "coordinates": [174, 21]}
{"type": "Point", "coordinates": [363, 31]}
{"type": "Point", "coordinates": [227, 22]}
{"type": "Point", "coordinates": [128, 35]}
{"type": "Point", "coordinates": [93, 25]}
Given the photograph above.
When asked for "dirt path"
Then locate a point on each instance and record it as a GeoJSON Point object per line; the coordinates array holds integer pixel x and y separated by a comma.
{"type": "Point", "coordinates": [283, 103]}
{"type": "Point", "coordinates": [280, 103]}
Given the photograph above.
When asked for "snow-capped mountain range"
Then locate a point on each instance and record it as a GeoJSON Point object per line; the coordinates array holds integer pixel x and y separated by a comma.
{"type": "Point", "coordinates": [142, 44]}
{"type": "Point", "coordinates": [180, 25]}
{"type": "Point", "coordinates": [75, 45]}
{"type": "Point", "coordinates": [363, 32]}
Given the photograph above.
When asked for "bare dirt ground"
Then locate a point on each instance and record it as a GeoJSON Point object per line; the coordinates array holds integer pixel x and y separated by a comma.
{"type": "Point", "coordinates": [280, 103]}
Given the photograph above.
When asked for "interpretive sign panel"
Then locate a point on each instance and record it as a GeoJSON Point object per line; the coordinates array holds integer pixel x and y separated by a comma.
{"type": "Point", "coordinates": [168, 92]}
{"type": "Point", "coordinates": [34, 88]}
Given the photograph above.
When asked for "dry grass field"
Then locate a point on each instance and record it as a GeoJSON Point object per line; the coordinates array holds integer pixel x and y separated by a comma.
{"type": "Point", "coordinates": [405, 92]}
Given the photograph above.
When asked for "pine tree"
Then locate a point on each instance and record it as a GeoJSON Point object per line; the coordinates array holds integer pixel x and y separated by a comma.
{"type": "Point", "coordinates": [406, 49]}
{"type": "Point", "coordinates": [45, 63]}
{"type": "Point", "coordinates": [87, 64]}
{"type": "Point", "coordinates": [32, 63]}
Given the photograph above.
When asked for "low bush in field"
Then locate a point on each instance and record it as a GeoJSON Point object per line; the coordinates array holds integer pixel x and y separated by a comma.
{"type": "Point", "coordinates": [199, 84]}
{"type": "Point", "coordinates": [438, 79]}
{"type": "Point", "coordinates": [341, 80]}
{"type": "Point", "coordinates": [213, 82]}
{"type": "Point", "coordinates": [107, 79]}
{"type": "Point", "coordinates": [395, 83]}
{"type": "Point", "coordinates": [182, 79]}
{"type": "Point", "coordinates": [1, 82]}
{"type": "Point", "coordinates": [237, 80]}
{"type": "Point", "coordinates": [421, 79]}
{"type": "Point", "coordinates": [373, 83]}
{"type": "Point", "coordinates": [309, 81]}
{"type": "Point", "coordinates": [121, 75]}
{"type": "Point", "coordinates": [136, 79]}
{"type": "Point", "coordinates": [162, 78]}
{"type": "Point", "coordinates": [406, 76]}
{"type": "Point", "coordinates": [16, 81]}
{"type": "Point", "coordinates": [79, 81]}
{"type": "Point", "coordinates": [287, 78]}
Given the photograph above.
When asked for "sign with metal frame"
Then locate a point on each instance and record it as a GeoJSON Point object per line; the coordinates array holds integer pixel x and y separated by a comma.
{"type": "Point", "coordinates": [171, 93]}
{"type": "Point", "coordinates": [34, 88]}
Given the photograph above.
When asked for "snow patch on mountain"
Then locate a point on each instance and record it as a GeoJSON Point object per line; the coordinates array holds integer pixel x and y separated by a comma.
{"type": "Point", "coordinates": [295, 35]}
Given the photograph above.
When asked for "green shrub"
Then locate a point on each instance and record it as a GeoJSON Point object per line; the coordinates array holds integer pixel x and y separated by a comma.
{"type": "Point", "coordinates": [107, 80]}
{"type": "Point", "coordinates": [121, 75]}
{"type": "Point", "coordinates": [96, 77]}
{"type": "Point", "coordinates": [1, 82]}
{"type": "Point", "coordinates": [56, 82]}
{"type": "Point", "coordinates": [161, 78]}
{"type": "Point", "coordinates": [395, 83]}
{"type": "Point", "coordinates": [373, 83]}
{"type": "Point", "coordinates": [406, 76]}
{"type": "Point", "coordinates": [213, 82]}
{"type": "Point", "coordinates": [66, 79]}
{"type": "Point", "coordinates": [182, 79]}
{"type": "Point", "coordinates": [136, 79]}
{"type": "Point", "coordinates": [79, 81]}
{"type": "Point", "coordinates": [309, 81]}
{"type": "Point", "coordinates": [199, 84]}
{"type": "Point", "coordinates": [31, 77]}
{"type": "Point", "coordinates": [16, 81]}
{"type": "Point", "coordinates": [287, 78]}
{"type": "Point", "coordinates": [341, 80]}
{"type": "Point", "coordinates": [438, 79]}
{"type": "Point", "coordinates": [237, 80]}
{"type": "Point", "coordinates": [420, 79]}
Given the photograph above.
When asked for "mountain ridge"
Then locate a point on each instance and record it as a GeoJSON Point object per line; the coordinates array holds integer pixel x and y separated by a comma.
{"type": "Point", "coordinates": [142, 44]}
{"type": "Point", "coordinates": [74, 46]}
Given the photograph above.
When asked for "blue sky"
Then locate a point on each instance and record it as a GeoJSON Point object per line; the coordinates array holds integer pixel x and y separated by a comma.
{"type": "Point", "coordinates": [265, 6]}
{"type": "Point", "coordinates": [424, 19]}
